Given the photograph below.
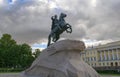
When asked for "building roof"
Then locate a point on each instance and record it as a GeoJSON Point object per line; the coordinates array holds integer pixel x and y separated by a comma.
{"type": "Point", "coordinates": [111, 45]}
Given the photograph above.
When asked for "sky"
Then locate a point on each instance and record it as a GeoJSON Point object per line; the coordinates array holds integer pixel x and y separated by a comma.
{"type": "Point", "coordinates": [29, 21]}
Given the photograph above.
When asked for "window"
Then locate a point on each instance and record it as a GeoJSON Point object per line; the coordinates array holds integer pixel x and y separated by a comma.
{"type": "Point", "coordinates": [95, 64]}
{"type": "Point", "coordinates": [100, 64]}
{"type": "Point", "coordinates": [87, 58]}
{"type": "Point", "coordinates": [94, 52]}
{"type": "Point", "coordinates": [111, 63]}
{"type": "Point", "coordinates": [107, 63]}
{"type": "Point", "coordinates": [91, 64]}
{"type": "Point", "coordinates": [83, 59]}
{"type": "Point", "coordinates": [91, 59]}
{"type": "Point", "coordinates": [116, 64]}
{"type": "Point", "coordinates": [103, 64]}
{"type": "Point", "coordinates": [95, 58]}
{"type": "Point", "coordinates": [88, 53]}
{"type": "Point", "coordinates": [91, 52]}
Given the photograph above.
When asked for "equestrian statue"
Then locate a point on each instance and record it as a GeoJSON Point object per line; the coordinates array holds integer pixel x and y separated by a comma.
{"type": "Point", "coordinates": [58, 27]}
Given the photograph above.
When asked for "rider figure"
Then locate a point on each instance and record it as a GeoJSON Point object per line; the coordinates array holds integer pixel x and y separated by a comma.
{"type": "Point", "coordinates": [54, 21]}
{"type": "Point", "coordinates": [58, 23]}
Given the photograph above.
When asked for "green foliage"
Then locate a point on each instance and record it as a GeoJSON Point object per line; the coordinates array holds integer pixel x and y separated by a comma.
{"type": "Point", "coordinates": [36, 53]}
{"type": "Point", "coordinates": [108, 71]}
{"type": "Point", "coordinates": [13, 55]}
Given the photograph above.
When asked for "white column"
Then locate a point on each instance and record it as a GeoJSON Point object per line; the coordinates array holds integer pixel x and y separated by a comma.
{"type": "Point", "coordinates": [108, 55]}
{"type": "Point", "coordinates": [101, 58]}
{"type": "Point", "coordinates": [105, 58]}
{"type": "Point", "coordinates": [113, 55]}
{"type": "Point", "coordinates": [117, 54]}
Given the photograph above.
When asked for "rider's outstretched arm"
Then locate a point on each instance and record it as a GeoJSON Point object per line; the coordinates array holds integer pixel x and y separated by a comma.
{"type": "Point", "coordinates": [52, 17]}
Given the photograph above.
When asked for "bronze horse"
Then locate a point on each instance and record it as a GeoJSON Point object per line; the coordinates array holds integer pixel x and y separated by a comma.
{"type": "Point", "coordinates": [59, 27]}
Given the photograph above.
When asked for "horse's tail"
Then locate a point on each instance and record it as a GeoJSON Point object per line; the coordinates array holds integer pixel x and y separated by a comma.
{"type": "Point", "coordinates": [49, 40]}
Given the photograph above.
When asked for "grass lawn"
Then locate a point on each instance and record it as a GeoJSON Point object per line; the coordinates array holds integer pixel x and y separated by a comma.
{"type": "Point", "coordinates": [11, 70]}
{"type": "Point", "coordinates": [109, 74]}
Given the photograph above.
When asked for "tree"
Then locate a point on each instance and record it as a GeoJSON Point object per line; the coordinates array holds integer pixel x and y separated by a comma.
{"type": "Point", "coordinates": [26, 56]}
{"type": "Point", "coordinates": [6, 45]}
{"type": "Point", "coordinates": [36, 53]}
{"type": "Point", "coordinates": [13, 54]}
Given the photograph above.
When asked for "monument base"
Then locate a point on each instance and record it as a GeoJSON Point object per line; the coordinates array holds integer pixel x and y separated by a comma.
{"type": "Point", "coordinates": [61, 59]}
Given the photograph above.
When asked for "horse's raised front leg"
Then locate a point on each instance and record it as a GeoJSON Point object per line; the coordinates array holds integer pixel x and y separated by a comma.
{"type": "Point", "coordinates": [69, 28]}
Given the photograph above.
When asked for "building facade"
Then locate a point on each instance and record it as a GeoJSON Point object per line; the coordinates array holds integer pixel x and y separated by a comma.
{"type": "Point", "coordinates": [103, 57]}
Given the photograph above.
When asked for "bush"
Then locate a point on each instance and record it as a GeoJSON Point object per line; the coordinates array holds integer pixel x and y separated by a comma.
{"type": "Point", "coordinates": [108, 71]}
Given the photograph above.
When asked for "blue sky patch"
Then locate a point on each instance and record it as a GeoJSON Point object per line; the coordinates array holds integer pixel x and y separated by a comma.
{"type": "Point", "coordinates": [9, 1]}
{"type": "Point", "coordinates": [42, 45]}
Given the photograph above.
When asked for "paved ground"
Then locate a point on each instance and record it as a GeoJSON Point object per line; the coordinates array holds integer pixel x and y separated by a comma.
{"type": "Point", "coordinates": [17, 75]}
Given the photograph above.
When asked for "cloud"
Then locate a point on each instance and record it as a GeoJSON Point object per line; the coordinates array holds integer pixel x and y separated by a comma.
{"type": "Point", "coordinates": [29, 20]}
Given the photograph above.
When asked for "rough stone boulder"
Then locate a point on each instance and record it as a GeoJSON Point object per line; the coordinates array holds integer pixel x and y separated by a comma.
{"type": "Point", "coordinates": [61, 59]}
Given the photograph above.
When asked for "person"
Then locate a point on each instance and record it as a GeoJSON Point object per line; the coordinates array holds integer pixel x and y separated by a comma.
{"type": "Point", "coordinates": [54, 22]}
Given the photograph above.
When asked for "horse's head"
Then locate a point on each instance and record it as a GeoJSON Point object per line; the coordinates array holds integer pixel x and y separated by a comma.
{"type": "Point", "coordinates": [63, 15]}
